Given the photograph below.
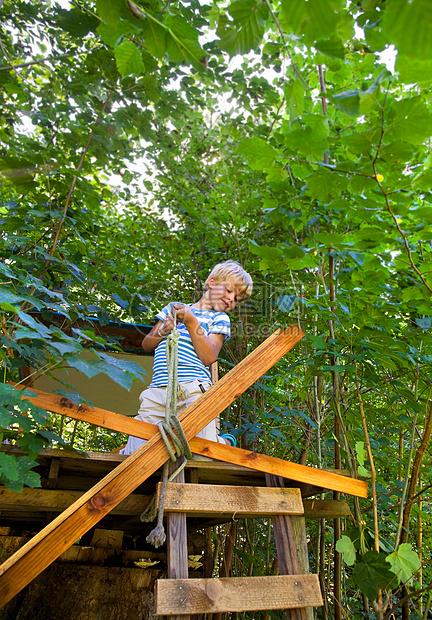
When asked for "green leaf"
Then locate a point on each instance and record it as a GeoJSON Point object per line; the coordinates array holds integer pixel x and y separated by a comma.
{"type": "Point", "coordinates": [404, 563]}
{"type": "Point", "coordinates": [294, 96]}
{"type": "Point", "coordinates": [9, 467]}
{"type": "Point", "coordinates": [182, 42]}
{"type": "Point", "coordinates": [363, 471]}
{"type": "Point", "coordinates": [122, 377]}
{"type": "Point", "coordinates": [25, 476]}
{"type": "Point", "coordinates": [333, 48]}
{"type": "Point", "coordinates": [411, 120]}
{"type": "Point", "coordinates": [361, 452]}
{"type": "Point", "coordinates": [346, 547]}
{"type": "Point", "coordinates": [63, 348]}
{"type": "Point", "coordinates": [294, 15]}
{"type": "Point", "coordinates": [358, 257]}
{"type": "Point", "coordinates": [33, 443]}
{"type": "Point", "coordinates": [89, 368]}
{"type": "Point", "coordinates": [318, 342]}
{"type": "Point", "coordinates": [423, 181]}
{"type": "Point", "coordinates": [8, 307]}
{"type": "Point", "coordinates": [110, 10]}
{"type": "Point", "coordinates": [112, 34]}
{"type": "Point", "coordinates": [6, 417]}
{"type": "Point", "coordinates": [155, 36]}
{"type": "Point", "coordinates": [338, 368]}
{"type": "Point", "coordinates": [372, 573]}
{"type": "Point", "coordinates": [11, 396]}
{"type": "Point", "coordinates": [425, 323]}
{"type": "Point", "coordinates": [43, 331]}
{"type": "Point", "coordinates": [247, 30]}
{"type": "Point", "coordinates": [51, 436]}
{"type": "Point", "coordinates": [128, 59]}
{"type": "Point", "coordinates": [414, 70]}
{"type": "Point", "coordinates": [311, 138]}
{"type": "Point", "coordinates": [133, 367]}
{"type": "Point", "coordinates": [409, 26]}
{"type": "Point", "coordinates": [321, 185]}
{"type": "Point", "coordinates": [259, 153]}
{"type": "Point", "coordinates": [348, 101]}
{"type": "Point", "coordinates": [313, 19]}
{"type": "Point", "coordinates": [150, 84]}
{"type": "Point", "coordinates": [7, 296]}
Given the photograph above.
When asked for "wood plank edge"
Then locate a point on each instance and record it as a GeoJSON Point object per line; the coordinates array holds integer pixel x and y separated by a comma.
{"type": "Point", "coordinates": [176, 596]}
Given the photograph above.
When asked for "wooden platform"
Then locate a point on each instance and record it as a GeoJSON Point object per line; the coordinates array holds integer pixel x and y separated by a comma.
{"type": "Point", "coordinates": [65, 475]}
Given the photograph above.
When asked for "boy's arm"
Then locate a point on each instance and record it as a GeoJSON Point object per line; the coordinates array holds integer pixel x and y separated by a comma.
{"type": "Point", "coordinates": [208, 347]}
{"type": "Point", "coordinates": [160, 331]}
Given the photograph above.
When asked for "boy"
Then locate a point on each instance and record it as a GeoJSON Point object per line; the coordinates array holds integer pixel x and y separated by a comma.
{"type": "Point", "coordinates": [203, 327]}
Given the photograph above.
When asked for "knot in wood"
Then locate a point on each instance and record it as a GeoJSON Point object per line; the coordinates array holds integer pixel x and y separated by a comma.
{"type": "Point", "coordinates": [98, 502]}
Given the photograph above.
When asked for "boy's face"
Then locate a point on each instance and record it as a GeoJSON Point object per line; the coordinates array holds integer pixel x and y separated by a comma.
{"type": "Point", "coordinates": [222, 295]}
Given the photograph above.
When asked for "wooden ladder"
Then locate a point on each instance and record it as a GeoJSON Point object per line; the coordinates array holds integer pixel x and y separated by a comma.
{"type": "Point", "coordinates": [294, 589]}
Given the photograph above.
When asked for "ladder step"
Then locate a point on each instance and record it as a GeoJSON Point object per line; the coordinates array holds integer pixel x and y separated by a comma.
{"type": "Point", "coordinates": [236, 594]}
{"type": "Point", "coordinates": [208, 499]}
{"type": "Point", "coordinates": [326, 508]}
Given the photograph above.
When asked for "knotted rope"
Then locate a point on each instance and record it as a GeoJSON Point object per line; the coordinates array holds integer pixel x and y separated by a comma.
{"type": "Point", "coordinates": [170, 428]}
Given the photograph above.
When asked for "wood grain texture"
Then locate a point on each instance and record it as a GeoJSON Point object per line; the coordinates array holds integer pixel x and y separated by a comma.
{"type": "Point", "coordinates": [287, 549]}
{"type": "Point", "coordinates": [177, 555]}
{"type": "Point", "coordinates": [236, 594]}
{"type": "Point", "coordinates": [46, 500]}
{"type": "Point", "coordinates": [93, 505]}
{"type": "Point", "coordinates": [208, 499]}
{"type": "Point", "coordinates": [236, 456]}
{"type": "Point", "coordinates": [325, 508]}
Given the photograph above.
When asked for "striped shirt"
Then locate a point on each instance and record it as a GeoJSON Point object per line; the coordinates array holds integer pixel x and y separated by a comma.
{"type": "Point", "coordinates": [190, 367]}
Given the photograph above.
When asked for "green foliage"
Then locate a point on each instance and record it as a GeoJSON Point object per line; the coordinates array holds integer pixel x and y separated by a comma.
{"type": "Point", "coordinates": [246, 29]}
{"type": "Point", "coordinates": [346, 547]}
{"type": "Point", "coordinates": [404, 563]}
{"type": "Point", "coordinates": [139, 148]}
{"type": "Point", "coordinates": [372, 573]}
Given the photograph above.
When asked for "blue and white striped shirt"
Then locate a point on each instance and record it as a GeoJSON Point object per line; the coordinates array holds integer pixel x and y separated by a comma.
{"type": "Point", "coordinates": [190, 367]}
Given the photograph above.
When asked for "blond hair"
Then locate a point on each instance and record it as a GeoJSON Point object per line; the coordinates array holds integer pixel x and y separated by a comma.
{"type": "Point", "coordinates": [232, 272]}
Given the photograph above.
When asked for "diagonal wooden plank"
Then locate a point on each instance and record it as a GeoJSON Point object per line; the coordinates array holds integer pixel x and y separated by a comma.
{"type": "Point", "coordinates": [220, 452]}
{"type": "Point", "coordinates": [61, 533]}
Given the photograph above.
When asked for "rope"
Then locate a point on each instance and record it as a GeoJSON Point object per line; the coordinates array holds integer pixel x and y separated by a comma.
{"type": "Point", "coordinates": [170, 428]}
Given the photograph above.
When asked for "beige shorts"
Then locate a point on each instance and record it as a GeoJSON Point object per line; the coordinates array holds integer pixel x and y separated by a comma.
{"type": "Point", "coordinates": [152, 410]}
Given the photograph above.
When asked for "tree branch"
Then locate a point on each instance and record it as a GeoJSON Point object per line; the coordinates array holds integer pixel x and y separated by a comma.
{"type": "Point", "coordinates": [406, 598]}
{"type": "Point", "coordinates": [405, 240]}
{"type": "Point", "coordinates": [74, 180]}
{"type": "Point", "coordinates": [33, 62]}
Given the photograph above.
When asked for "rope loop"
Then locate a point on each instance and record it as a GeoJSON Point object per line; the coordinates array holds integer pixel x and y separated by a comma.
{"type": "Point", "coordinates": [170, 429]}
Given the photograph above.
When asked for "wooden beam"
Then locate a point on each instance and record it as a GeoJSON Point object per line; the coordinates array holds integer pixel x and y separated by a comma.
{"type": "Point", "coordinates": [104, 556]}
{"type": "Point", "coordinates": [63, 531]}
{"type": "Point", "coordinates": [107, 539]}
{"type": "Point", "coordinates": [325, 508]}
{"type": "Point", "coordinates": [47, 500]}
{"type": "Point", "coordinates": [212, 500]}
{"type": "Point", "coordinates": [236, 456]}
{"type": "Point", "coordinates": [86, 555]}
{"type": "Point", "coordinates": [236, 594]}
{"type": "Point", "coordinates": [287, 552]}
{"type": "Point", "coordinates": [177, 555]}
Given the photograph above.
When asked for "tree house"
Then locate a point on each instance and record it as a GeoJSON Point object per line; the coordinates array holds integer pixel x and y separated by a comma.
{"type": "Point", "coordinates": [278, 494]}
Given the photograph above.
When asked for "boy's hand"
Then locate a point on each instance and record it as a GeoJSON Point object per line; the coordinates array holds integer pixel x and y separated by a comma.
{"type": "Point", "coordinates": [184, 314]}
{"type": "Point", "coordinates": [168, 325]}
